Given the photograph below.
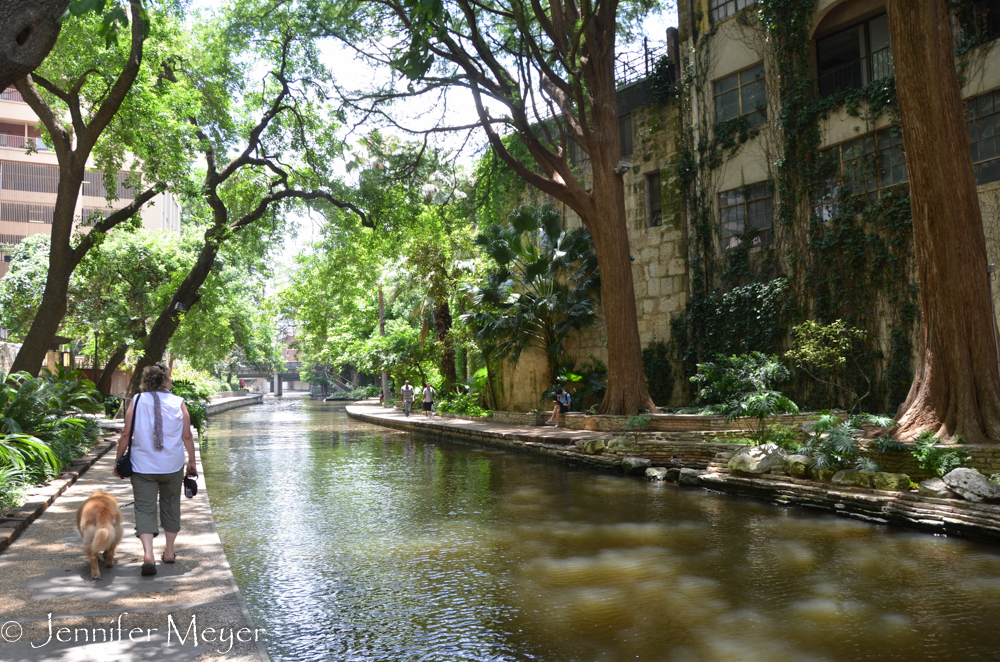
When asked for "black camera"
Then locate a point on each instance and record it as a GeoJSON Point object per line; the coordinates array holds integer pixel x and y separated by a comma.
{"type": "Point", "coordinates": [190, 486]}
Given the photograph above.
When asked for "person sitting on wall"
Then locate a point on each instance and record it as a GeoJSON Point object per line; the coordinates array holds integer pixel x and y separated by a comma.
{"type": "Point", "coordinates": [562, 405]}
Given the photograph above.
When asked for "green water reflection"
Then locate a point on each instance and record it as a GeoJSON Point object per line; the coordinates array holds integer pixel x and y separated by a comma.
{"type": "Point", "coordinates": [350, 542]}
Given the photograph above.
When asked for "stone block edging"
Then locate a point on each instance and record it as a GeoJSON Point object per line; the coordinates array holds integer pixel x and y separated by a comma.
{"type": "Point", "coordinates": [233, 403]}
{"type": "Point", "coordinates": [511, 441]}
{"type": "Point", "coordinates": [15, 521]}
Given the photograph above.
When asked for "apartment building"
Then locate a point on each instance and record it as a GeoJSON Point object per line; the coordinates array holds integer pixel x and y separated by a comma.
{"type": "Point", "coordinates": [29, 177]}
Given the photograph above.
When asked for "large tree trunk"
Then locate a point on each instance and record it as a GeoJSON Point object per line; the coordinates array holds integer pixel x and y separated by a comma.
{"type": "Point", "coordinates": [28, 31]}
{"type": "Point", "coordinates": [956, 388]}
{"type": "Point", "coordinates": [72, 152]}
{"type": "Point", "coordinates": [442, 324]}
{"type": "Point", "coordinates": [626, 391]}
{"type": "Point", "coordinates": [62, 262]}
{"type": "Point", "coordinates": [115, 360]}
{"type": "Point", "coordinates": [626, 388]}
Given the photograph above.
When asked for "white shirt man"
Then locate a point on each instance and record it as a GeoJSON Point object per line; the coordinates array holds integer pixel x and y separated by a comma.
{"type": "Point", "coordinates": [406, 394]}
{"type": "Point", "coordinates": [428, 399]}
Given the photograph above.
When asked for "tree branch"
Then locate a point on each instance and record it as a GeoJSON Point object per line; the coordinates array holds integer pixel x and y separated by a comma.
{"type": "Point", "coordinates": [113, 101]}
{"type": "Point", "coordinates": [114, 219]}
{"type": "Point", "coordinates": [60, 136]}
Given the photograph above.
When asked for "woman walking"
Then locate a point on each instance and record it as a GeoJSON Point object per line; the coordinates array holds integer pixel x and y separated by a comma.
{"type": "Point", "coordinates": [162, 434]}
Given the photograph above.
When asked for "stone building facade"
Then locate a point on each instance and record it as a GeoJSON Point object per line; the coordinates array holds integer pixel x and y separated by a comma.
{"type": "Point", "coordinates": [724, 49]}
{"type": "Point", "coordinates": [656, 235]}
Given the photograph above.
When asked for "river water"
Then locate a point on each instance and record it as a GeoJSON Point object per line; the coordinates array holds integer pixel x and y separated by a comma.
{"type": "Point", "coordinates": [351, 542]}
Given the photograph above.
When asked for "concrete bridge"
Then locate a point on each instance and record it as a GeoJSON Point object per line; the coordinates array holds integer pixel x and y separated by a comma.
{"type": "Point", "coordinates": [290, 373]}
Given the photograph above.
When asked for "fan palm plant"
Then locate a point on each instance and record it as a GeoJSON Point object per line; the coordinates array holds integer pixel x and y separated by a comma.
{"type": "Point", "coordinates": [544, 286]}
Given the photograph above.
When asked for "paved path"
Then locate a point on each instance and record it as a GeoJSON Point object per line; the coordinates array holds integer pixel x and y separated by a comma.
{"type": "Point", "coordinates": [45, 578]}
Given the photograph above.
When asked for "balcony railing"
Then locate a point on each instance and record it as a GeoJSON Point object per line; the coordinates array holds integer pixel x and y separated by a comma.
{"type": "Point", "coordinates": [20, 142]}
{"type": "Point", "coordinates": [630, 67]}
{"type": "Point", "coordinates": [857, 74]}
{"type": "Point", "coordinates": [11, 94]}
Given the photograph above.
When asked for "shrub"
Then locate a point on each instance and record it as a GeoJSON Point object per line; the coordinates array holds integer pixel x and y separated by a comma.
{"type": "Point", "coordinates": [195, 397]}
{"type": "Point", "coordinates": [463, 404]}
{"type": "Point", "coordinates": [730, 379]}
{"type": "Point", "coordinates": [937, 461]}
{"type": "Point", "coordinates": [784, 436]}
{"type": "Point", "coordinates": [635, 424]}
{"type": "Point", "coordinates": [755, 408]}
{"type": "Point", "coordinates": [41, 428]}
{"type": "Point", "coordinates": [837, 444]}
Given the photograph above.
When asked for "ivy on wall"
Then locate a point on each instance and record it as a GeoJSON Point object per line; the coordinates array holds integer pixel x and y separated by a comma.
{"type": "Point", "coordinates": [855, 263]}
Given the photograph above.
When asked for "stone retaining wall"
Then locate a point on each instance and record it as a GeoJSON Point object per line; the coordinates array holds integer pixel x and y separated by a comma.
{"type": "Point", "coordinates": [940, 516]}
{"type": "Point", "coordinates": [509, 441]}
{"type": "Point", "coordinates": [228, 394]}
{"type": "Point", "coordinates": [519, 417]}
{"type": "Point", "coordinates": [670, 422]}
{"type": "Point", "coordinates": [233, 403]}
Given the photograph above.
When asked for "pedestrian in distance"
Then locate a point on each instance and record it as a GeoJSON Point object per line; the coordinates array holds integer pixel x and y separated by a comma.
{"type": "Point", "coordinates": [406, 395]}
{"type": "Point", "coordinates": [159, 425]}
{"type": "Point", "coordinates": [428, 399]}
{"type": "Point", "coordinates": [562, 405]}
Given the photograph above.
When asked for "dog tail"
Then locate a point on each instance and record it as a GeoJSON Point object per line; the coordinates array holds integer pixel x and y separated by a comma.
{"type": "Point", "coordinates": [104, 536]}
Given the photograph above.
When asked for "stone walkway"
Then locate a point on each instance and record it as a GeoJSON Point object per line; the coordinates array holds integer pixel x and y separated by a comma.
{"type": "Point", "coordinates": [191, 610]}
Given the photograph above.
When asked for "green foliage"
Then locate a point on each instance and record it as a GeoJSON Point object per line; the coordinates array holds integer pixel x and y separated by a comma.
{"type": "Point", "coordinates": [840, 444]}
{"type": "Point", "coordinates": [498, 187]}
{"type": "Point", "coordinates": [784, 436]}
{"type": "Point", "coordinates": [662, 83]}
{"type": "Point", "coordinates": [659, 370]}
{"type": "Point", "coordinates": [401, 351]}
{"type": "Point", "coordinates": [827, 352]}
{"type": "Point", "coordinates": [836, 446]}
{"type": "Point", "coordinates": [360, 393]}
{"type": "Point", "coordinates": [935, 460]}
{"type": "Point", "coordinates": [22, 287]}
{"type": "Point", "coordinates": [733, 378]}
{"type": "Point", "coordinates": [754, 409]}
{"type": "Point", "coordinates": [195, 399]}
{"type": "Point", "coordinates": [747, 318]}
{"type": "Point", "coordinates": [201, 382]}
{"type": "Point", "coordinates": [543, 286]}
{"type": "Point", "coordinates": [635, 424]}
{"type": "Point", "coordinates": [463, 404]}
{"type": "Point", "coordinates": [587, 380]}
{"type": "Point", "coordinates": [41, 427]}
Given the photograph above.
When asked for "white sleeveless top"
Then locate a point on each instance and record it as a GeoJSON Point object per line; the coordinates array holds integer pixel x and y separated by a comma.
{"type": "Point", "coordinates": [145, 458]}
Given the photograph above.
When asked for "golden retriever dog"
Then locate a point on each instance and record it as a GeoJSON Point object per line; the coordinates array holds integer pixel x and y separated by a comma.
{"type": "Point", "coordinates": [100, 523]}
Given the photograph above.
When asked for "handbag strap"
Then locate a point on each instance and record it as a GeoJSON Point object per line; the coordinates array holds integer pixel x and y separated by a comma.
{"type": "Point", "coordinates": [135, 412]}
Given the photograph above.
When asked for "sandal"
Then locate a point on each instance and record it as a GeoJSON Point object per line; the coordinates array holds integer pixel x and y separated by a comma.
{"type": "Point", "coordinates": [163, 557]}
{"type": "Point", "coordinates": [148, 569]}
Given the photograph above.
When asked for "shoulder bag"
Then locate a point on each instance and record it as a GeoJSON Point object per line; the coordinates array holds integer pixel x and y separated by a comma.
{"type": "Point", "coordinates": [124, 464]}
